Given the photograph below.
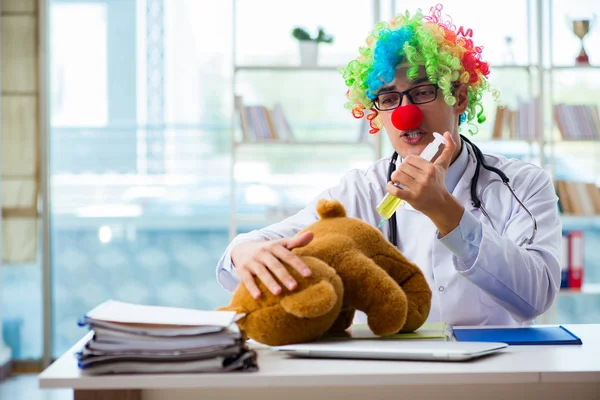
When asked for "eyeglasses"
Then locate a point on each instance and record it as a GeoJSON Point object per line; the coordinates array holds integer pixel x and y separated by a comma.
{"type": "Point", "coordinates": [418, 95]}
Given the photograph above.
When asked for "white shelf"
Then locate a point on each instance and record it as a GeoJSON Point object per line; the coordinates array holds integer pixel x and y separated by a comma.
{"type": "Point", "coordinates": [567, 67]}
{"type": "Point", "coordinates": [580, 221]}
{"type": "Point", "coordinates": [582, 145]}
{"type": "Point", "coordinates": [286, 68]}
{"type": "Point", "coordinates": [590, 289]}
{"type": "Point", "coordinates": [511, 66]}
{"type": "Point", "coordinates": [301, 143]}
{"type": "Point", "coordinates": [495, 141]}
{"type": "Point", "coordinates": [576, 141]}
{"type": "Point", "coordinates": [295, 68]}
{"type": "Point", "coordinates": [261, 219]}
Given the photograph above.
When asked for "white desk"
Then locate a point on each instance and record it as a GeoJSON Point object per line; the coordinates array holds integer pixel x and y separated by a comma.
{"type": "Point", "coordinates": [570, 371]}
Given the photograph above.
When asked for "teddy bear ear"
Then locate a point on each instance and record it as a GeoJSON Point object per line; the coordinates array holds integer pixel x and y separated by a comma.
{"type": "Point", "coordinates": [330, 209]}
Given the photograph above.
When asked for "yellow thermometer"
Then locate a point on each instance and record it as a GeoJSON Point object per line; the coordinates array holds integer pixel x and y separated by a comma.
{"type": "Point", "coordinates": [390, 203]}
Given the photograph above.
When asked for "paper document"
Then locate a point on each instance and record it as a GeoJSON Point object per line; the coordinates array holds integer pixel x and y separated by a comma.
{"type": "Point", "coordinates": [120, 312]}
{"type": "Point", "coordinates": [226, 338]}
{"type": "Point", "coordinates": [243, 361]}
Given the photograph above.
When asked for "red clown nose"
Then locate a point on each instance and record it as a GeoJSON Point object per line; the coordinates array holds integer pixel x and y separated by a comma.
{"type": "Point", "coordinates": [407, 117]}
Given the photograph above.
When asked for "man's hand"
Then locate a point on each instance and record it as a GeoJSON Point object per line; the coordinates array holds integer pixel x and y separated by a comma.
{"type": "Point", "coordinates": [425, 187]}
{"type": "Point", "coordinates": [264, 260]}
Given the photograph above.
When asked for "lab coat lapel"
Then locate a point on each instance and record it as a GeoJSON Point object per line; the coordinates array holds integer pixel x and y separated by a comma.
{"type": "Point", "coordinates": [462, 191]}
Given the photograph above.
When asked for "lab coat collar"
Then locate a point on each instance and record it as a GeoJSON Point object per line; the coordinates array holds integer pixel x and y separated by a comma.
{"type": "Point", "coordinates": [462, 191]}
{"type": "Point", "coordinates": [457, 168]}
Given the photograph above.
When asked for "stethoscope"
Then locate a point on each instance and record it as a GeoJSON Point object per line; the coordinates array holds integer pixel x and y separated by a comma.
{"type": "Point", "coordinates": [480, 162]}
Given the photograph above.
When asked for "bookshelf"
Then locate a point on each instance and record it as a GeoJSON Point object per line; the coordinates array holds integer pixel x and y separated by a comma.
{"type": "Point", "coordinates": [288, 130]}
{"type": "Point", "coordinates": [543, 147]}
{"type": "Point", "coordinates": [573, 139]}
{"type": "Point", "coordinates": [537, 78]}
{"type": "Point", "coordinates": [572, 136]}
{"type": "Point", "coordinates": [566, 126]}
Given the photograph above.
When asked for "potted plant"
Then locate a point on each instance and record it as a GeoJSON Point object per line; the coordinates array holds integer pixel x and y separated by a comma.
{"type": "Point", "coordinates": [309, 46]}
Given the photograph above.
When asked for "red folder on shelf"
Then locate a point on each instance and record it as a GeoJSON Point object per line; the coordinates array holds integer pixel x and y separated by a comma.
{"type": "Point", "coordinates": [576, 259]}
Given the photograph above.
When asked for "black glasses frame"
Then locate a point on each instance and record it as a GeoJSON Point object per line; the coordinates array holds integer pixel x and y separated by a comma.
{"type": "Point", "coordinates": [407, 94]}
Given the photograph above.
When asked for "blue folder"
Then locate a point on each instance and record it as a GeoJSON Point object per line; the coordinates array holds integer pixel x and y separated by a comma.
{"type": "Point", "coordinates": [518, 336]}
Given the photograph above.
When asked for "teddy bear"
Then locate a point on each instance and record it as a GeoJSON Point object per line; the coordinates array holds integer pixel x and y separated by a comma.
{"type": "Point", "coordinates": [353, 268]}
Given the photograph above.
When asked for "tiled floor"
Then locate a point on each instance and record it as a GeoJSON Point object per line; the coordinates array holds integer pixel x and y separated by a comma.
{"type": "Point", "coordinates": [25, 387]}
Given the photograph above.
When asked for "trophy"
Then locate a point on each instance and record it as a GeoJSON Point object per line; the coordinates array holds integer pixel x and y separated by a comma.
{"type": "Point", "coordinates": [581, 27]}
{"type": "Point", "coordinates": [509, 55]}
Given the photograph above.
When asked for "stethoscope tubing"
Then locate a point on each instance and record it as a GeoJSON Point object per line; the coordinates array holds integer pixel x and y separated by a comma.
{"type": "Point", "coordinates": [480, 162]}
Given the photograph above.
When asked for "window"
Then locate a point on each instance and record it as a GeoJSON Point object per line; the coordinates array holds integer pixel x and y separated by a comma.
{"type": "Point", "coordinates": [140, 129]}
{"type": "Point", "coordinates": [141, 99]}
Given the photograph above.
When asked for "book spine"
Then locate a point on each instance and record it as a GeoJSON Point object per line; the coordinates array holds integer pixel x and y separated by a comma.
{"type": "Point", "coordinates": [564, 263]}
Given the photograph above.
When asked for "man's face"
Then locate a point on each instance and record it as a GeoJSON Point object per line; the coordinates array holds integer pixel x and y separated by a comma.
{"type": "Point", "coordinates": [438, 116]}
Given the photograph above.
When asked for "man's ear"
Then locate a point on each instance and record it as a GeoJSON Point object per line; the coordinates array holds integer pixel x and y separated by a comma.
{"type": "Point", "coordinates": [461, 93]}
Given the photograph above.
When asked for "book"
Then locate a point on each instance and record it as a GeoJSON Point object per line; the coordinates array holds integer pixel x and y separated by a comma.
{"type": "Point", "coordinates": [534, 335]}
{"type": "Point", "coordinates": [428, 331]}
{"type": "Point", "coordinates": [136, 338]}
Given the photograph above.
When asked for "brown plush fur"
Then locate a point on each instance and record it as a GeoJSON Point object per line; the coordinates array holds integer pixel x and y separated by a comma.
{"type": "Point", "coordinates": [353, 268]}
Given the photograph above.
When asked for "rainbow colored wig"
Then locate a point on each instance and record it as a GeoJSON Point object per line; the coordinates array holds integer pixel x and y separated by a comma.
{"type": "Point", "coordinates": [447, 53]}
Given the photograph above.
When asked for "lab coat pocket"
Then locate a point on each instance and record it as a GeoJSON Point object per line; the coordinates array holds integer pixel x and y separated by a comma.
{"type": "Point", "coordinates": [487, 300]}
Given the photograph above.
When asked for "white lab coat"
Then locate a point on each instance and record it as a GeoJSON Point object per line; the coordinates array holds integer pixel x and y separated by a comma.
{"type": "Point", "coordinates": [505, 285]}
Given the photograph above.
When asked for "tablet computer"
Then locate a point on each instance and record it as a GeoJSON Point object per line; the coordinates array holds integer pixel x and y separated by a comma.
{"type": "Point", "coordinates": [394, 350]}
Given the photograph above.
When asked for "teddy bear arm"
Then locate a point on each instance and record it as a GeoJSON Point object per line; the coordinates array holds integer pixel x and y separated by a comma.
{"type": "Point", "coordinates": [370, 289]}
{"type": "Point", "coordinates": [415, 286]}
{"type": "Point", "coordinates": [312, 302]}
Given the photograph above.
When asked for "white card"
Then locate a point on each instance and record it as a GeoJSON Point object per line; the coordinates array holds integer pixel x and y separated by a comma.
{"type": "Point", "coordinates": [117, 311]}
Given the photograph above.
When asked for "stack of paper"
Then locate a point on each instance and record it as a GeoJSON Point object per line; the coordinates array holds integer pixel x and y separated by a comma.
{"type": "Point", "coordinates": [132, 338]}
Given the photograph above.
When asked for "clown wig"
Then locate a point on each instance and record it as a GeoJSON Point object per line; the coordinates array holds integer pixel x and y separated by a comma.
{"type": "Point", "coordinates": [446, 52]}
